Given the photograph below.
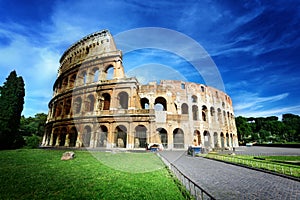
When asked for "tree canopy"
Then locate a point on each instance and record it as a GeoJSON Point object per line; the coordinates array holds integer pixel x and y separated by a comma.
{"type": "Point", "coordinates": [269, 129]}
{"type": "Point", "coordinates": [11, 106]}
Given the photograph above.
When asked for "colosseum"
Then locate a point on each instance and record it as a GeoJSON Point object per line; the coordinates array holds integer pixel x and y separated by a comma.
{"type": "Point", "coordinates": [94, 105]}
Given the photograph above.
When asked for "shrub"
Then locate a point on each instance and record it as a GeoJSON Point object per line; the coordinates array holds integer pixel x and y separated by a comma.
{"type": "Point", "coordinates": [32, 141]}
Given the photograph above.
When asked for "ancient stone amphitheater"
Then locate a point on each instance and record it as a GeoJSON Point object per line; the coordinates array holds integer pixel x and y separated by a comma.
{"type": "Point", "coordinates": [95, 105]}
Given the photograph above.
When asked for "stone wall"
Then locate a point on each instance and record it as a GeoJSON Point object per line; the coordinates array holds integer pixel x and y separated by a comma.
{"type": "Point", "coordinates": [95, 109]}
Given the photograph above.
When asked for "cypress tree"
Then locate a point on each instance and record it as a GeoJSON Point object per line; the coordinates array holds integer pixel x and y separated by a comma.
{"type": "Point", "coordinates": [11, 105]}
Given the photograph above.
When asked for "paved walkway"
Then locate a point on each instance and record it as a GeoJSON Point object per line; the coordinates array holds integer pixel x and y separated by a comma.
{"type": "Point", "coordinates": [225, 181]}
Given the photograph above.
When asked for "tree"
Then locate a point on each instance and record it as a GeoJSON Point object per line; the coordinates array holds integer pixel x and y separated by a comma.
{"type": "Point", "coordinates": [33, 125]}
{"type": "Point", "coordinates": [11, 105]}
{"type": "Point", "coordinates": [243, 128]}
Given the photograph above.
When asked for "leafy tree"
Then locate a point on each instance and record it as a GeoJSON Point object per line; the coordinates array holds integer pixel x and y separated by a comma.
{"type": "Point", "coordinates": [243, 128]}
{"type": "Point", "coordinates": [292, 123]}
{"type": "Point", "coordinates": [33, 125]}
{"type": "Point", "coordinates": [11, 105]}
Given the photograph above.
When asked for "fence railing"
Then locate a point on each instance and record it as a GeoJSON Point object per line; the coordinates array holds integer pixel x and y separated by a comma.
{"type": "Point", "coordinates": [260, 164]}
{"type": "Point", "coordinates": [195, 190]}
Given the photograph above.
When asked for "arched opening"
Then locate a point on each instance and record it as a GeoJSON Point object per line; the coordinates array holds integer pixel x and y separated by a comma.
{"type": "Point", "coordinates": [73, 137]}
{"type": "Point", "coordinates": [231, 140]}
{"type": "Point", "coordinates": [102, 137]}
{"type": "Point", "coordinates": [216, 141]}
{"type": "Point", "coordinates": [86, 136]}
{"type": "Point", "coordinates": [184, 108]}
{"type": "Point", "coordinates": [83, 78]}
{"type": "Point", "coordinates": [121, 136]}
{"type": "Point", "coordinates": [145, 103]}
{"type": "Point", "coordinates": [90, 102]}
{"type": "Point", "coordinates": [68, 106]}
{"type": "Point", "coordinates": [204, 113]}
{"type": "Point", "coordinates": [77, 105]}
{"type": "Point", "coordinates": [219, 115]}
{"type": "Point", "coordinates": [194, 99]}
{"type": "Point", "coordinates": [62, 137]}
{"type": "Point", "coordinates": [109, 72]}
{"type": "Point", "coordinates": [178, 138]}
{"type": "Point", "coordinates": [65, 82]}
{"type": "Point", "coordinates": [195, 112]}
{"type": "Point", "coordinates": [163, 137]}
{"type": "Point", "coordinates": [106, 102]}
{"type": "Point", "coordinates": [96, 74]}
{"type": "Point", "coordinates": [212, 111]}
{"type": "Point", "coordinates": [160, 104]}
{"type": "Point", "coordinates": [123, 100]}
{"type": "Point", "coordinates": [222, 140]}
{"type": "Point", "coordinates": [72, 80]}
{"type": "Point", "coordinates": [59, 108]}
{"type": "Point", "coordinates": [198, 137]}
{"type": "Point", "coordinates": [140, 136]}
{"type": "Point", "coordinates": [54, 137]}
{"type": "Point", "coordinates": [227, 140]}
{"type": "Point", "coordinates": [207, 139]}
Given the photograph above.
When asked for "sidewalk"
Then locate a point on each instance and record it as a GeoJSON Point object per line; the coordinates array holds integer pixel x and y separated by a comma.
{"type": "Point", "coordinates": [225, 181]}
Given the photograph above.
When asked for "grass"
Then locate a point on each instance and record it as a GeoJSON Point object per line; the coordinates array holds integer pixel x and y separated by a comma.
{"type": "Point", "coordinates": [287, 165]}
{"type": "Point", "coordinates": [40, 174]}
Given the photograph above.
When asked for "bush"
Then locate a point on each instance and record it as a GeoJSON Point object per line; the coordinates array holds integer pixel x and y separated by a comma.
{"type": "Point", "coordinates": [32, 142]}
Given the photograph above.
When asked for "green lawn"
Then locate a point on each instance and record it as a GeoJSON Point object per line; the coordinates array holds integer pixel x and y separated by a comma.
{"type": "Point", "coordinates": [40, 174]}
{"type": "Point", "coordinates": [287, 165]}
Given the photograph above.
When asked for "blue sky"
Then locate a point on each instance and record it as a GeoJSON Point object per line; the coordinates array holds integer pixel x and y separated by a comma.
{"type": "Point", "coordinates": [254, 44]}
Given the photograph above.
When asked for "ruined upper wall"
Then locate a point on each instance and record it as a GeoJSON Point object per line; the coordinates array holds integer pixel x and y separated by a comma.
{"type": "Point", "coordinates": [96, 45]}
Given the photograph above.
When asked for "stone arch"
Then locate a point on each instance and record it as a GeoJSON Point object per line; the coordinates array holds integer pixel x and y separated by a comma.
{"type": "Point", "coordinates": [102, 137]}
{"type": "Point", "coordinates": [163, 134]}
{"type": "Point", "coordinates": [212, 111]}
{"type": "Point", "coordinates": [67, 106]}
{"type": "Point", "coordinates": [160, 104]}
{"type": "Point", "coordinates": [62, 136]}
{"type": "Point", "coordinates": [90, 103]}
{"type": "Point", "coordinates": [121, 136]}
{"type": "Point", "coordinates": [216, 140]}
{"type": "Point", "coordinates": [178, 138]}
{"type": "Point", "coordinates": [223, 140]}
{"type": "Point", "coordinates": [140, 136]}
{"type": "Point", "coordinates": [195, 112]}
{"type": "Point", "coordinates": [109, 72]}
{"type": "Point", "coordinates": [72, 80]}
{"type": "Point", "coordinates": [123, 100]}
{"type": "Point", "coordinates": [65, 82]}
{"type": "Point", "coordinates": [145, 103]}
{"type": "Point", "coordinates": [59, 107]}
{"type": "Point", "coordinates": [219, 115]}
{"type": "Point", "coordinates": [54, 137]}
{"type": "Point", "coordinates": [194, 99]}
{"type": "Point", "coordinates": [95, 74]}
{"type": "Point", "coordinates": [73, 137]}
{"type": "Point", "coordinates": [207, 139]}
{"type": "Point", "coordinates": [86, 136]}
{"type": "Point", "coordinates": [197, 135]}
{"type": "Point", "coordinates": [77, 105]}
{"type": "Point", "coordinates": [227, 140]}
{"type": "Point", "coordinates": [202, 88]}
{"type": "Point", "coordinates": [184, 108]}
{"type": "Point", "coordinates": [204, 113]}
{"type": "Point", "coordinates": [82, 78]}
{"type": "Point", "coordinates": [106, 101]}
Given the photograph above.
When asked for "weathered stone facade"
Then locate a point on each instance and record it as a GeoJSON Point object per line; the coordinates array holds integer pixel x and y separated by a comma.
{"type": "Point", "coordinates": [91, 109]}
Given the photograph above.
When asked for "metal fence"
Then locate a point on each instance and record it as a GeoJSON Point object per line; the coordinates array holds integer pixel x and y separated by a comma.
{"type": "Point", "coordinates": [260, 164]}
{"type": "Point", "coordinates": [195, 190]}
